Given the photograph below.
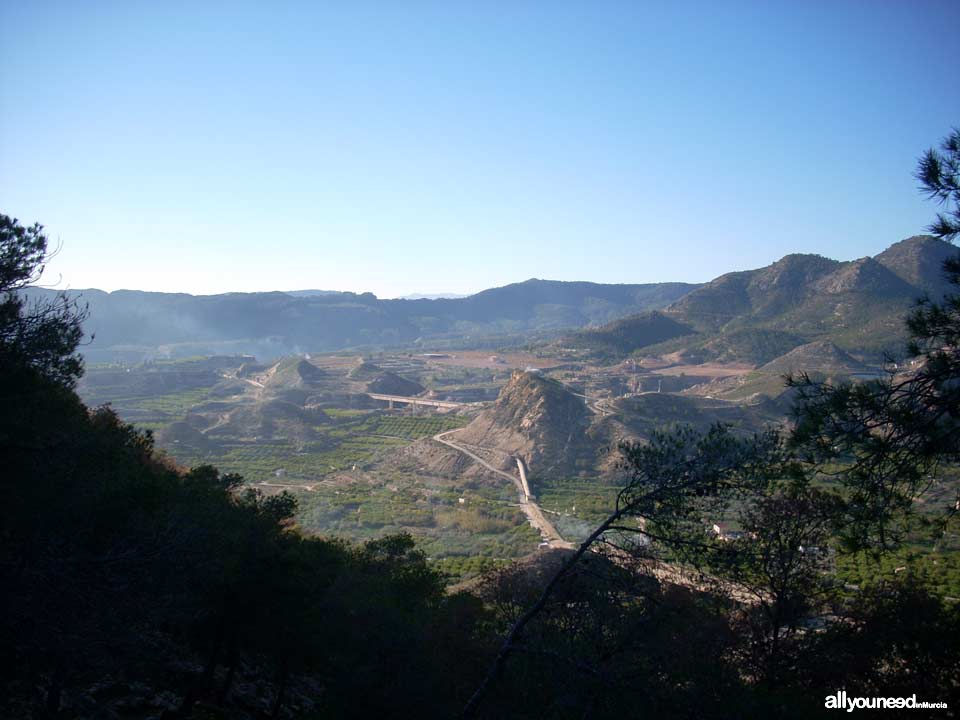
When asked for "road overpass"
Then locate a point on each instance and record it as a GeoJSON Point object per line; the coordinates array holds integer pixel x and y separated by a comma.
{"type": "Point", "coordinates": [428, 402]}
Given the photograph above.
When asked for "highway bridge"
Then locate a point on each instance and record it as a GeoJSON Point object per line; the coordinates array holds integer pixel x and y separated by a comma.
{"type": "Point", "coordinates": [391, 399]}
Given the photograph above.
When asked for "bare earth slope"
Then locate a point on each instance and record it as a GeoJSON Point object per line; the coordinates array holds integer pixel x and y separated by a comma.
{"type": "Point", "coordinates": [536, 419]}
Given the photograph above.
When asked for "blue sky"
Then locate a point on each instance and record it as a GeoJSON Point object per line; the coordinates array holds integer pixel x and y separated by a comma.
{"type": "Point", "coordinates": [448, 147]}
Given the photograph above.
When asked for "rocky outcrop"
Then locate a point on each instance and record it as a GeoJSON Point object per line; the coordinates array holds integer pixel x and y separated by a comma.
{"type": "Point", "coordinates": [537, 419]}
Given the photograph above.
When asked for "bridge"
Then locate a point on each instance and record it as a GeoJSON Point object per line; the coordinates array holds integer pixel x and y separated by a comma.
{"type": "Point", "coordinates": [391, 399]}
{"type": "Point", "coordinates": [523, 479]}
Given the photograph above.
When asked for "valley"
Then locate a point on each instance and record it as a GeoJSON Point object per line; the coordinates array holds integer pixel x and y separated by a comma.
{"type": "Point", "coordinates": [542, 361]}
{"type": "Point", "coordinates": [429, 440]}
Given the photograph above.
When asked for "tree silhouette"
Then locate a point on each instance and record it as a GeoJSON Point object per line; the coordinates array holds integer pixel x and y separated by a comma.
{"type": "Point", "coordinates": [939, 176]}
{"type": "Point", "coordinates": [889, 437]}
{"type": "Point", "coordinates": [42, 335]}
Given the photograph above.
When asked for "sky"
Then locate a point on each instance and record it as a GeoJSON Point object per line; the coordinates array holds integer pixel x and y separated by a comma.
{"type": "Point", "coordinates": [425, 147]}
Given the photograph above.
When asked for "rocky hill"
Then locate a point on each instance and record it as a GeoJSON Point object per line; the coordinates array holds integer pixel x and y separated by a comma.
{"type": "Point", "coordinates": [537, 419]}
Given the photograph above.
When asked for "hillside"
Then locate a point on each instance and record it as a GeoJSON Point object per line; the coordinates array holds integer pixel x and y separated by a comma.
{"type": "Point", "coordinates": [817, 357]}
{"type": "Point", "coordinates": [919, 261]}
{"type": "Point", "coordinates": [757, 315]}
{"type": "Point", "coordinates": [628, 334]}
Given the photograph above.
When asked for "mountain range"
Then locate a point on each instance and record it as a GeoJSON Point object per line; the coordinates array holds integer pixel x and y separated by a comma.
{"type": "Point", "coordinates": [757, 315]}
{"type": "Point", "coordinates": [131, 325]}
{"type": "Point", "coordinates": [751, 316]}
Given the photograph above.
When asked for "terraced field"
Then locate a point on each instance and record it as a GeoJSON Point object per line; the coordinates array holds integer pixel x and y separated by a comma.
{"type": "Point", "coordinates": [342, 476]}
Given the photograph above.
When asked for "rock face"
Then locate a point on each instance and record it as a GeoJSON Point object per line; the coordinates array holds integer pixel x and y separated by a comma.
{"type": "Point", "coordinates": [537, 419]}
{"type": "Point", "coordinates": [868, 276]}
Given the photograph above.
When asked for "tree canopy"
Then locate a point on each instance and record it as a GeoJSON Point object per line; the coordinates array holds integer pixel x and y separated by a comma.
{"type": "Point", "coordinates": [43, 335]}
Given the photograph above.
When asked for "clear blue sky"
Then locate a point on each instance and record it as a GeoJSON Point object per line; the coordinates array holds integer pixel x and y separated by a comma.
{"type": "Point", "coordinates": [404, 147]}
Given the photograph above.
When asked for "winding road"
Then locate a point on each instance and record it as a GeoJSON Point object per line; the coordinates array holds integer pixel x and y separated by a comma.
{"type": "Point", "coordinates": [534, 514]}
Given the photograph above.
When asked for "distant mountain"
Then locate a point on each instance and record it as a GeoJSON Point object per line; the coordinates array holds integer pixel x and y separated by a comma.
{"type": "Point", "coordinates": [436, 296]}
{"type": "Point", "coordinates": [131, 325]}
{"type": "Point", "coordinates": [757, 315]}
{"type": "Point", "coordinates": [311, 293]}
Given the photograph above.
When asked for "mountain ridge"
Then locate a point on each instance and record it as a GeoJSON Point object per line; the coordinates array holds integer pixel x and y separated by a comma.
{"type": "Point", "coordinates": [858, 305]}
{"type": "Point", "coordinates": [132, 325]}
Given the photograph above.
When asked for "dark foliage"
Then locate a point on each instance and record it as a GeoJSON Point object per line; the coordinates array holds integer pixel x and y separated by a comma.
{"type": "Point", "coordinates": [43, 334]}
{"type": "Point", "coordinates": [939, 176]}
{"type": "Point", "coordinates": [885, 440]}
{"type": "Point", "coordinates": [121, 570]}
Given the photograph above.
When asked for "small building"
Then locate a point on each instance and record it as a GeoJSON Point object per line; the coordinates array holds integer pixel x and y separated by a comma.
{"type": "Point", "coordinates": [724, 532]}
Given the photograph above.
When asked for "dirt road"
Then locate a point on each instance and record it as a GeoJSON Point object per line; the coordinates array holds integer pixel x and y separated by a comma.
{"type": "Point", "coordinates": [534, 514]}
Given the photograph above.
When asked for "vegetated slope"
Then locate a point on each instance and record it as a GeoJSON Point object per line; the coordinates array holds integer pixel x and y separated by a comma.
{"type": "Point", "coordinates": [820, 359]}
{"type": "Point", "coordinates": [109, 384]}
{"type": "Point", "coordinates": [365, 370]}
{"type": "Point", "coordinates": [821, 356]}
{"type": "Point", "coordinates": [538, 303]}
{"type": "Point", "coordinates": [748, 345]}
{"type": "Point", "coordinates": [635, 417]}
{"type": "Point", "coordinates": [628, 334]}
{"type": "Point", "coordinates": [130, 325]}
{"type": "Point", "coordinates": [757, 315]}
{"type": "Point", "coordinates": [294, 373]}
{"type": "Point", "coordinates": [765, 293]}
{"type": "Point", "coordinates": [537, 419]}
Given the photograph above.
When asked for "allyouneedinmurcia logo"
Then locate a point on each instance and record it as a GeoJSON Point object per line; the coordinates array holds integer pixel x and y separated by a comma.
{"type": "Point", "coordinates": [841, 701]}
